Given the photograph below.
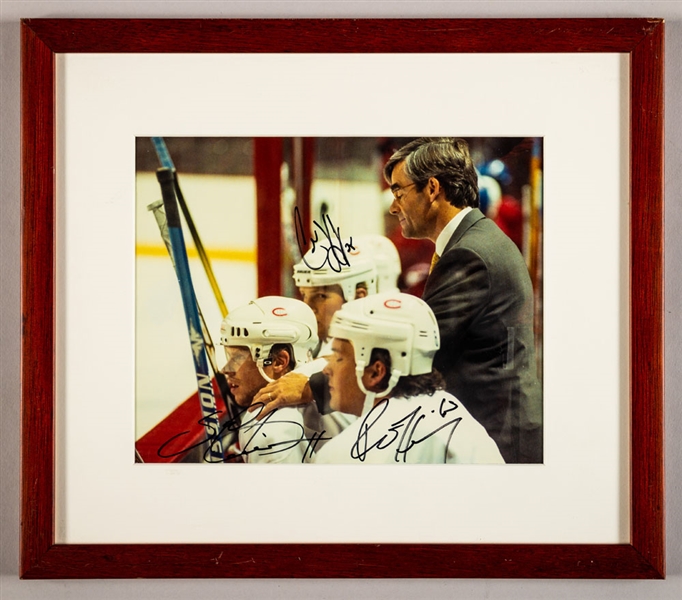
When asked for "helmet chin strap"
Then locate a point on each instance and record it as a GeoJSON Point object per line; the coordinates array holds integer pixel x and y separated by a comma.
{"type": "Point", "coordinates": [260, 364]}
{"type": "Point", "coordinates": [260, 370]}
{"type": "Point", "coordinates": [371, 396]}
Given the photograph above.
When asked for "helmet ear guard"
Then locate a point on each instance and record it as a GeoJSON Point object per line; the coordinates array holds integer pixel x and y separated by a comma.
{"type": "Point", "coordinates": [370, 395]}
{"type": "Point", "coordinates": [271, 320]}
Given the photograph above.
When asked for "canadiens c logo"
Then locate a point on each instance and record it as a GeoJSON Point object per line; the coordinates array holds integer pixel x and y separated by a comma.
{"type": "Point", "coordinates": [354, 252]}
{"type": "Point", "coordinates": [393, 303]}
{"type": "Point", "coordinates": [280, 311]}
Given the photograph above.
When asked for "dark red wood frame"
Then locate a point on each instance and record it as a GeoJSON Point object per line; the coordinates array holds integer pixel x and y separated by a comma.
{"type": "Point", "coordinates": [642, 39]}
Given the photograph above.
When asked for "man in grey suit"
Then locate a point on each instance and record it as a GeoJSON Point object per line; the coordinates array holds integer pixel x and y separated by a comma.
{"type": "Point", "coordinates": [479, 290]}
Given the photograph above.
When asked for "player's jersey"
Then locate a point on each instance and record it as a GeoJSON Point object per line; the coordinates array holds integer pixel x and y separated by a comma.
{"type": "Point", "coordinates": [279, 438]}
{"type": "Point", "coordinates": [421, 430]}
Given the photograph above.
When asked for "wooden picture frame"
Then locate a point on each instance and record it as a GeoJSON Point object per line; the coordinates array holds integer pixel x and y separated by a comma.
{"type": "Point", "coordinates": [641, 39]}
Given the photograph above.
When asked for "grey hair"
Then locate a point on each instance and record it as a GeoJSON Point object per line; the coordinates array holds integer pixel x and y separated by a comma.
{"type": "Point", "coordinates": [446, 159]}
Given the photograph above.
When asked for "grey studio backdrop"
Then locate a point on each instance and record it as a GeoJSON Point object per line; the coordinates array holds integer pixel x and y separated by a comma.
{"type": "Point", "coordinates": [11, 588]}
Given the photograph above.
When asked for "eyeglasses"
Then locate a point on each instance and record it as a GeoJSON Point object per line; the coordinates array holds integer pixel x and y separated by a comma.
{"type": "Point", "coordinates": [396, 188]}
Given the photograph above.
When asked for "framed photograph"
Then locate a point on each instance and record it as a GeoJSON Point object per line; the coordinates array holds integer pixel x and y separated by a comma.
{"type": "Point", "coordinates": [333, 185]}
{"type": "Point", "coordinates": [271, 136]}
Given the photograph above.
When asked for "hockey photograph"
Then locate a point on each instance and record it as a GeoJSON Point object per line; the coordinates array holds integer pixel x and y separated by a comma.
{"type": "Point", "coordinates": [340, 298]}
{"type": "Point", "coordinates": [345, 300]}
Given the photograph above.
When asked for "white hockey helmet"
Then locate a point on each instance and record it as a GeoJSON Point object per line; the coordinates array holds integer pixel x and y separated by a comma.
{"type": "Point", "coordinates": [386, 259]}
{"type": "Point", "coordinates": [271, 320]}
{"type": "Point", "coordinates": [401, 323]}
{"type": "Point", "coordinates": [344, 265]}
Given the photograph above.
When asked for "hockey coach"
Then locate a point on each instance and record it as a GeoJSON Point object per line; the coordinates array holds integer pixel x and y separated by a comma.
{"type": "Point", "coordinates": [479, 290]}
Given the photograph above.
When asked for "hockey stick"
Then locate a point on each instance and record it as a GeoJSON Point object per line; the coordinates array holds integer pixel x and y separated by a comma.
{"type": "Point", "coordinates": [167, 162]}
{"type": "Point", "coordinates": [179, 254]}
{"type": "Point", "coordinates": [157, 209]}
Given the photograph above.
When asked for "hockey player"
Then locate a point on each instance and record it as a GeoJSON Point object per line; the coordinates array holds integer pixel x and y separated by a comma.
{"type": "Point", "coordinates": [386, 259]}
{"type": "Point", "coordinates": [263, 341]}
{"type": "Point", "coordinates": [380, 369]}
{"type": "Point", "coordinates": [326, 281]}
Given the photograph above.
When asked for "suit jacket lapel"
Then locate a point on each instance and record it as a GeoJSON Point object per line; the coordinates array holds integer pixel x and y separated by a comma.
{"type": "Point", "coordinates": [469, 219]}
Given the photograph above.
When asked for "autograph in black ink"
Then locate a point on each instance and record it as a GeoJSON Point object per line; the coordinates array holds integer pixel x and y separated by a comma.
{"type": "Point", "coordinates": [332, 250]}
{"type": "Point", "coordinates": [403, 432]}
{"type": "Point", "coordinates": [256, 429]}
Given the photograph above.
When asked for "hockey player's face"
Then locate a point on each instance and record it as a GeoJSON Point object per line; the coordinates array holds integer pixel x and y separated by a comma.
{"type": "Point", "coordinates": [409, 205]}
{"type": "Point", "coordinates": [346, 395]}
{"type": "Point", "coordinates": [242, 374]}
{"type": "Point", "coordinates": [325, 301]}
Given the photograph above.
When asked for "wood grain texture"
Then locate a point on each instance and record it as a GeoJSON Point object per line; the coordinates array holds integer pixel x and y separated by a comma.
{"type": "Point", "coordinates": [646, 299]}
{"type": "Point", "coordinates": [642, 39]}
{"type": "Point", "coordinates": [37, 297]}
{"type": "Point", "coordinates": [343, 561]}
{"type": "Point", "coordinates": [342, 35]}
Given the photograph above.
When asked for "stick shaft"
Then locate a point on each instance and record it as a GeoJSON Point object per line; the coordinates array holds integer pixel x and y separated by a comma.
{"type": "Point", "coordinates": [179, 254]}
{"type": "Point", "coordinates": [167, 162]}
{"type": "Point", "coordinates": [160, 216]}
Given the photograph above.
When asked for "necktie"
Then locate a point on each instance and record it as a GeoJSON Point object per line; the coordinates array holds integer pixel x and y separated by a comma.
{"type": "Point", "coordinates": [434, 260]}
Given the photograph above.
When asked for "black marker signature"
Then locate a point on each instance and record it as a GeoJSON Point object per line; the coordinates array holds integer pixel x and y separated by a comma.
{"type": "Point", "coordinates": [251, 425]}
{"type": "Point", "coordinates": [403, 432]}
{"type": "Point", "coordinates": [331, 248]}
